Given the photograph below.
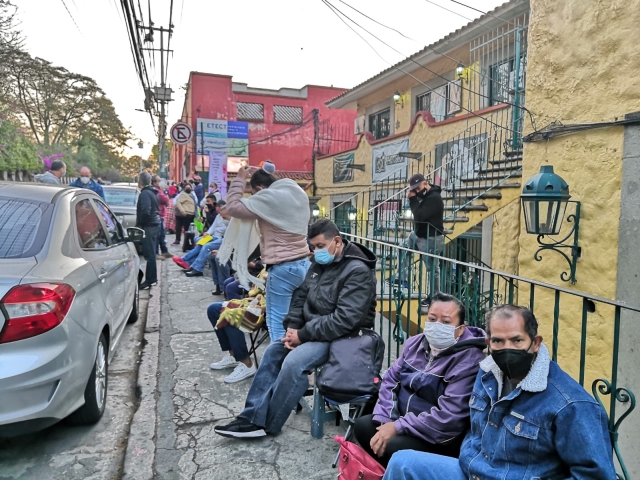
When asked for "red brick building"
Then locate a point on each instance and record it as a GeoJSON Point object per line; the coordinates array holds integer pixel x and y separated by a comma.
{"type": "Point", "coordinates": [282, 125]}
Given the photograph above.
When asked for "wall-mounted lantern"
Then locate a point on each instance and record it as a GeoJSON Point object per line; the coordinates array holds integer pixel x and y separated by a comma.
{"type": "Point", "coordinates": [398, 99]}
{"type": "Point", "coordinates": [352, 213]}
{"type": "Point", "coordinates": [462, 72]}
{"type": "Point", "coordinates": [315, 210]}
{"type": "Point", "coordinates": [407, 214]}
{"type": "Point", "coordinates": [544, 201]}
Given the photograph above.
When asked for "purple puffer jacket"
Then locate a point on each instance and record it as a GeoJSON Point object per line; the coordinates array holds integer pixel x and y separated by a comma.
{"type": "Point", "coordinates": [429, 398]}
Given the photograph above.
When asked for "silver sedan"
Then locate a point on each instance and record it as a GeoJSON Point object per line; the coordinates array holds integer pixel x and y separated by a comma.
{"type": "Point", "coordinates": [69, 285]}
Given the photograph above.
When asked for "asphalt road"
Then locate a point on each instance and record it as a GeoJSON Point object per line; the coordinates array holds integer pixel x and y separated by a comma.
{"type": "Point", "coordinates": [84, 453]}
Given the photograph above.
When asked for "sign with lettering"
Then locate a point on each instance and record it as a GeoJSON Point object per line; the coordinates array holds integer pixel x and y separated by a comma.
{"type": "Point", "coordinates": [386, 161]}
{"type": "Point", "coordinates": [228, 137]}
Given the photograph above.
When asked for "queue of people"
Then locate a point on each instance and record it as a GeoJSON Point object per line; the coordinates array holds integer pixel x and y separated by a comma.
{"type": "Point", "coordinates": [459, 402]}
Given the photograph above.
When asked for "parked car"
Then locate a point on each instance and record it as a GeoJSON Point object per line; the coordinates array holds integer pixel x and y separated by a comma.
{"type": "Point", "coordinates": [68, 286]}
{"type": "Point", "coordinates": [122, 199]}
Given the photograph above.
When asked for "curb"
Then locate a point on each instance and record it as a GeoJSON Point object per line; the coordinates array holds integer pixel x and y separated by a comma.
{"type": "Point", "coordinates": [140, 454]}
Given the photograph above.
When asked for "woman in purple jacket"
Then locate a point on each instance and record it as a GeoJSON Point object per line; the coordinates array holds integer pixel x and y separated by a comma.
{"type": "Point", "coordinates": [424, 397]}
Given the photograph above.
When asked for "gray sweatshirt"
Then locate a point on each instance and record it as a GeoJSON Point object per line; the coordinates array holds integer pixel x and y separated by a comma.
{"type": "Point", "coordinates": [49, 178]}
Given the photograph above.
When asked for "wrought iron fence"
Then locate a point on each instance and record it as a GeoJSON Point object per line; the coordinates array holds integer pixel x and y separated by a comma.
{"type": "Point", "coordinates": [577, 323]}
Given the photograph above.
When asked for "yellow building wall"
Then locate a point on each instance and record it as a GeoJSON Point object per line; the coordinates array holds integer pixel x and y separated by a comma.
{"type": "Point", "coordinates": [581, 61]}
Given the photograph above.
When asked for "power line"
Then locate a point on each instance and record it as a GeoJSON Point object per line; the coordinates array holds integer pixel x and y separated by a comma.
{"type": "Point", "coordinates": [73, 19]}
{"type": "Point", "coordinates": [480, 11]}
{"type": "Point", "coordinates": [431, 90]}
{"type": "Point", "coordinates": [449, 10]}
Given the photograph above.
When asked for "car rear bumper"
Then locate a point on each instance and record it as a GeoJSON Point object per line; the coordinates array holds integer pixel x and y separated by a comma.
{"type": "Point", "coordinates": [44, 377]}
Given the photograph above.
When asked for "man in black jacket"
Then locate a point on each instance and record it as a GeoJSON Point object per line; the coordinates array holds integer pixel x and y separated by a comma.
{"type": "Point", "coordinates": [148, 219]}
{"type": "Point", "coordinates": [338, 297]}
{"type": "Point", "coordinates": [427, 208]}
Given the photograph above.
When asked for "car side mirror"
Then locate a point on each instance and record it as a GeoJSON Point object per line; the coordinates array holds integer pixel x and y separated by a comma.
{"type": "Point", "coordinates": [135, 234]}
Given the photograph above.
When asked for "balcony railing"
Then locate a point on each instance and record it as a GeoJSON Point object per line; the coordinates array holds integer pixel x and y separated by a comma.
{"type": "Point", "coordinates": [576, 325]}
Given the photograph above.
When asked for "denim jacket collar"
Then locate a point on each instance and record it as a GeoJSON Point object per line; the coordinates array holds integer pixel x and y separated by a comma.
{"type": "Point", "coordinates": [536, 379]}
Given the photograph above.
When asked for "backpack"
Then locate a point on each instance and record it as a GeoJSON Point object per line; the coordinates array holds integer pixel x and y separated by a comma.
{"type": "Point", "coordinates": [353, 368]}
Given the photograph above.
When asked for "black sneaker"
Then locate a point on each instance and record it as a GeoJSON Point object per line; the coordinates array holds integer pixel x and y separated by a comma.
{"type": "Point", "coordinates": [240, 428]}
{"type": "Point", "coordinates": [147, 286]}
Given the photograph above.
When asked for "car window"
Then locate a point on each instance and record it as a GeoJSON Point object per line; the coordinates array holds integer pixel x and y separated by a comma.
{"type": "Point", "coordinates": [121, 197]}
{"type": "Point", "coordinates": [19, 223]}
{"type": "Point", "coordinates": [92, 235]}
{"type": "Point", "coordinates": [113, 229]}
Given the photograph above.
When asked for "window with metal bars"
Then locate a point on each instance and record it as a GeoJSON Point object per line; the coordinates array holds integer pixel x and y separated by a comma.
{"type": "Point", "coordinates": [380, 124]}
{"type": "Point", "coordinates": [502, 80]}
{"type": "Point", "coordinates": [423, 102]}
{"type": "Point", "coordinates": [285, 114]}
{"type": "Point", "coordinates": [251, 112]}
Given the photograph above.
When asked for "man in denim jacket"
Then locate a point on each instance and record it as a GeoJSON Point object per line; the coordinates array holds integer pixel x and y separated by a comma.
{"type": "Point", "coordinates": [529, 419]}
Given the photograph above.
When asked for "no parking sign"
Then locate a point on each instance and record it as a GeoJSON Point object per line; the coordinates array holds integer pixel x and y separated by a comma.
{"type": "Point", "coordinates": [181, 133]}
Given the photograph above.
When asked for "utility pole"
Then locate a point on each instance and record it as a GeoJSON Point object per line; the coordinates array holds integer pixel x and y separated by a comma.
{"type": "Point", "coordinates": [162, 94]}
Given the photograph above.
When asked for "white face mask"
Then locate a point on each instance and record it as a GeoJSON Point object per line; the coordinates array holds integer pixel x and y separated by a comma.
{"type": "Point", "coordinates": [85, 180]}
{"type": "Point", "coordinates": [440, 335]}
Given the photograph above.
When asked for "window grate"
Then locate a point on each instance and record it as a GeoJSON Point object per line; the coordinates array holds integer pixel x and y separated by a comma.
{"type": "Point", "coordinates": [250, 111]}
{"type": "Point", "coordinates": [380, 124]}
{"type": "Point", "coordinates": [423, 102]}
{"type": "Point", "coordinates": [284, 114]}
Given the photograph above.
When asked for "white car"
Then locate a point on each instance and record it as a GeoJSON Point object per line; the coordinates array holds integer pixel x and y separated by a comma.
{"type": "Point", "coordinates": [69, 278]}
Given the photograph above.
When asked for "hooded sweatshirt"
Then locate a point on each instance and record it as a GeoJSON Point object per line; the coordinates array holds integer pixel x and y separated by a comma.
{"type": "Point", "coordinates": [428, 396]}
{"type": "Point", "coordinates": [48, 178]}
{"type": "Point", "coordinates": [428, 213]}
{"type": "Point", "coordinates": [335, 299]}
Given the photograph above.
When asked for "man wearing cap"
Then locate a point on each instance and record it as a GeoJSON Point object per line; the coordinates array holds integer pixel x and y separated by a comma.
{"type": "Point", "coordinates": [427, 236]}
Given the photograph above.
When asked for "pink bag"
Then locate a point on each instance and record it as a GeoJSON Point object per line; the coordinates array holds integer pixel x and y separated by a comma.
{"type": "Point", "coordinates": [356, 464]}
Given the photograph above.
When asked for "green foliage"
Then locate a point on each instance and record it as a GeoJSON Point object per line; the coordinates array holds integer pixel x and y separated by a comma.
{"type": "Point", "coordinates": [17, 152]}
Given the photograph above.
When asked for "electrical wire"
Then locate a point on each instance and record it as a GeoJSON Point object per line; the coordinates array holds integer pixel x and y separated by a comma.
{"type": "Point", "coordinates": [449, 10]}
{"type": "Point", "coordinates": [337, 12]}
{"type": "Point", "coordinates": [480, 11]}
{"type": "Point", "coordinates": [436, 52]}
{"type": "Point", "coordinates": [73, 19]}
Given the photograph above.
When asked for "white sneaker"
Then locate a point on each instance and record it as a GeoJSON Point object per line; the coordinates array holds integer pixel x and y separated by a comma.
{"type": "Point", "coordinates": [225, 362]}
{"type": "Point", "coordinates": [240, 373]}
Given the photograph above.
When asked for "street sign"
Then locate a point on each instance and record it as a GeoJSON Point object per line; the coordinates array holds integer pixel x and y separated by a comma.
{"type": "Point", "coordinates": [181, 133]}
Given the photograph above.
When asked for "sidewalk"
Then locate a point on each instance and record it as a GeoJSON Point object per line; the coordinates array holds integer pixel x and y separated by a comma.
{"type": "Point", "coordinates": [182, 400]}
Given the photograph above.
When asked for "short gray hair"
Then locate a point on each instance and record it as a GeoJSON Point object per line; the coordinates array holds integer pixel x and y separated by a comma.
{"type": "Point", "coordinates": [145, 178]}
{"type": "Point", "coordinates": [57, 165]}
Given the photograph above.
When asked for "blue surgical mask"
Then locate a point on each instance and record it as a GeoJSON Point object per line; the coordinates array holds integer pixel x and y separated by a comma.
{"type": "Point", "coordinates": [322, 255]}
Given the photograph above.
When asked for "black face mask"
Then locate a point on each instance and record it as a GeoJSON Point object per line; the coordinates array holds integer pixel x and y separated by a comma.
{"type": "Point", "coordinates": [514, 363]}
{"type": "Point", "coordinates": [423, 193]}
{"type": "Point", "coordinates": [188, 190]}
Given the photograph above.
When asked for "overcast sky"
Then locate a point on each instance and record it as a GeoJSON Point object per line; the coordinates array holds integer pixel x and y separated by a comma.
{"type": "Point", "coordinates": [268, 44]}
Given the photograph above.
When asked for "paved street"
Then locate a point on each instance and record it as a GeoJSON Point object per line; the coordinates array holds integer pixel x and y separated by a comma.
{"type": "Point", "coordinates": [191, 399]}
{"type": "Point", "coordinates": [88, 453]}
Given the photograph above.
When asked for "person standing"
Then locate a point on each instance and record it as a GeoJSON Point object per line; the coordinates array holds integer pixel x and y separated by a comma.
{"type": "Point", "coordinates": [163, 202]}
{"type": "Point", "coordinates": [213, 188]}
{"type": "Point", "coordinates": [281, 210]}
{"type": "Point", "coordinates": [198, 189]}
{"type": "Point", "coordinates": [185, 210]}
{"type": "Point", "coordinates": [427, 236]}
{"type": "Point", "coordinates": [85, 181]}
{"type": "Point", "coordinates": [148, 218]}
{"type": "Point", "coordinates": [54, 175]}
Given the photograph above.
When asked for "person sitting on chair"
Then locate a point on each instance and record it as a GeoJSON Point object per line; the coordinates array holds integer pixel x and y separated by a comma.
{"type": "Point", "coordinates": [337, 297]}
{"type": "Point", "coordinates": [423, 402]}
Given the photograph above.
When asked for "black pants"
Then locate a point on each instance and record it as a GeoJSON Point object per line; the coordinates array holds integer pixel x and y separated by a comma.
{"type": "Point", "coordinates": [149, 246]}
{"type": "Point", "coordinates": [365, 430]}
{"type": "Point", "coordinates": [183, 222]}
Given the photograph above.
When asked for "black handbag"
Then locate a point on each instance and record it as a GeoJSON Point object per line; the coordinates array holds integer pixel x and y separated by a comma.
{"type": "Point", "coordinates": [353, 368]}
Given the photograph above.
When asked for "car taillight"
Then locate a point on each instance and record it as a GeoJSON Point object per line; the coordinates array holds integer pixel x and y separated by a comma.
{"type": "Point", "coordinates": [34, 309]}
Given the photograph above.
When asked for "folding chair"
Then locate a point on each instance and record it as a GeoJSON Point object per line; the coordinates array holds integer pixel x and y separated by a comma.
{"type": "Point", "coordinates": [257, 338]}
{"type": "Point", "coordinates": [358, 405]}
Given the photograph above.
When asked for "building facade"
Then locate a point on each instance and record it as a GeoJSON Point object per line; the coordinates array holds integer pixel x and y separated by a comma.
{"type": "Point", "coordinates": [286, 126]}
{"type": "Point", "coordinates": [461, 119]}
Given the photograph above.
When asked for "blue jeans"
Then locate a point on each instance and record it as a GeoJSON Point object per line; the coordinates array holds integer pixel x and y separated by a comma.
{"type": "Point", "coordinates": [280, 383]}
{"type": "Point", "coordinates": [230, 338]}
{"type": "Point", "coordinates": [204, 254]}
{"type": "Point", "coordinates": [282, 281]}
{"type": "Point", "coordinates": [162, 243]}
{"type": "Point", "coordinates": [232, 289]}
{"type": "Point", "coordinates": [219, 273]}
{"type": "Point", "coordinates": [412, 465]}
{"type": "Point", "coordinates": [192, 254]}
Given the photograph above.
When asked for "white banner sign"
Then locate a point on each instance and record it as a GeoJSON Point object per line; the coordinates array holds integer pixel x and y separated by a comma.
{"type": "Point", "coordinates": [386, 161]}
{"type": "Point", "coordinates": [218, 171]}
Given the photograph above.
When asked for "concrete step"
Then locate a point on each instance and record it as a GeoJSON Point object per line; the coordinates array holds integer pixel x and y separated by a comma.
{"type": "Point", "coordinates": [506, 169]}
{"type": "Point", "coordinates": [494, 178]}
{"type": "Point", "coordinates": [507, 161]}
{"type": "Point", "coordinates": [468, 208]}
{"type": "Point", "coordinates": [481, 188]}
{"type": "Point", "coordinates": [456, 219]}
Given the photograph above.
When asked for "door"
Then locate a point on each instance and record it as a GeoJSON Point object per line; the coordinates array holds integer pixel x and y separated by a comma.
{"type": "Point", "coordinates": [127, 276]}
{"type": "Point", "coordinates": [106, 261]}
{"type": "Point", "coordinates": [341, 216]}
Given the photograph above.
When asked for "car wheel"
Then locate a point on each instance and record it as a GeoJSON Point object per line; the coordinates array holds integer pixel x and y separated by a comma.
{"type": "Point", "coordinates": [95, 393]}
{"type": "Point", "coordinates": [135, 310]}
